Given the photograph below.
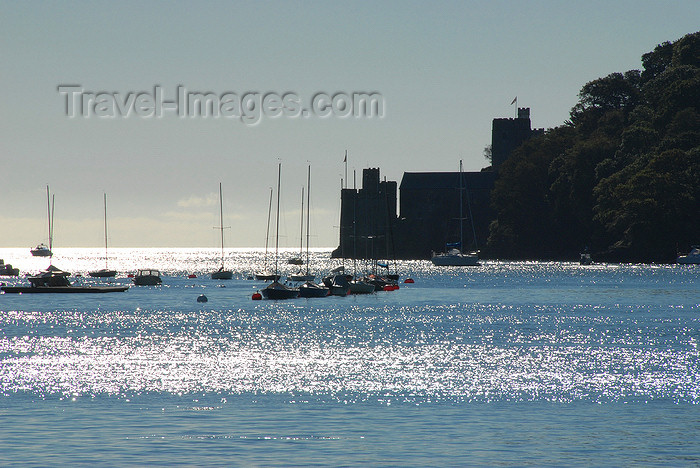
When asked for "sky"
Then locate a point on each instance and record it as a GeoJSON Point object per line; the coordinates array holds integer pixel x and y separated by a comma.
{"type": "Point", "coordinates": [442, 69]}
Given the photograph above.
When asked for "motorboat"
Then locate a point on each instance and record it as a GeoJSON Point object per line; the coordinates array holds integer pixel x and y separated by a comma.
{"type": "Point", "coordinates": [585, 259]}
{"type": "Point", "coordinates": [311, 289]}
{"type": "Point", "coordinates": [338, 284]}
{"type": "Point", "coordinates": [147, 277]}
{"type": "Point", "coordinates": [691, 258]}
{"type": "Point", "coordinates": [454, 257]}
{"type": "Point", "coordinates": [359, 286]}
{"type": "Point", "coordinates": [55, 280]}
{"type": "Point", "coordinates": [277, 290]}
{"type": "Point", "coordinates": [7, 270]}
{"type": "Point", "coordinates": [295, 261]}
{"type": "Point", "coordinates": [41, 250]}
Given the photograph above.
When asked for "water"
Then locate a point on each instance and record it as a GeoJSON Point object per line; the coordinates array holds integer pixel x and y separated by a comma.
{"type": "Point", "coordinates": [510, 363]}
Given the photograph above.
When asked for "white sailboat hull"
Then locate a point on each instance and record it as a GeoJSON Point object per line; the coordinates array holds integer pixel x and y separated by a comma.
{"type": "Point", "coordinates": [455, 259]}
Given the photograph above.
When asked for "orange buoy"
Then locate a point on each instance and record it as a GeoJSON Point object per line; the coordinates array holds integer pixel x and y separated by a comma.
{"type": "Point", "coordinates": [409, 281]}
{"type": "Point", "coordinates": [257, 296]}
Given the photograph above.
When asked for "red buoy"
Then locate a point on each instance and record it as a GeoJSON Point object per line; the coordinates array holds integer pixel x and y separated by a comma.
{"type": "Point", "coordinates": [257, 296]}
{"type": "Point", "coordinates": [388, 287]}
{"type": "Point", "coordinates": [191, 275]}
{"type": "Point", "coordinates": [130, 275]}
{"type": "Point", "coordinates": [409, 281]}
{"type": "Point", "coordinates": [396, 286]}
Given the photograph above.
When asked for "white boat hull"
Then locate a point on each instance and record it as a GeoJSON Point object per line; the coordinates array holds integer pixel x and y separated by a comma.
{"type": "Point", "coordinates": [455, 260]}
{"type": "Point", "coordinates": [693, 258]}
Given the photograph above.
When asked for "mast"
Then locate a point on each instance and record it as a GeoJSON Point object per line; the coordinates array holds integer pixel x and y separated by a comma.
{"type": "Point", "coordinates": [461, 216]}
{"type": "Point", "coordinates": [277, 221]}
{"type": "Point", "coordinates": [221, 224]}
{"type": "Point", "coordinates": [48, 215]}
{"type": "Point", "coordinates": [53, 204]}
{"type": "Point", "coordinates": [301, 225]}
{"type": "Point", "coordinates": [308, 210]}
{"type": "Point", "coordinates": [267, 232]}
{"type": "Point", "coordinates": [105, 203]}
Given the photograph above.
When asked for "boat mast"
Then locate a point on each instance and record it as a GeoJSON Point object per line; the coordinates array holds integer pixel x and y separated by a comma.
{"type": "Point", "coordinates": [221, 224]}
{"type": "Point", "coordinates": [53, 204]}
{"type": "Point", "coordinates": [301, 226]}
{"type": "Point", "coordinates": [461, 216]}
{"type": "Point", "coordinates": [308, 210]}
{"type": "Point", "coordinates": [267, 232]}
{"type": "Point", "coordinates": [48, 215]}
{"type": "Point", "coordinates": [277, 221]}
{"type": "Point", "coordinates": [105, 204]}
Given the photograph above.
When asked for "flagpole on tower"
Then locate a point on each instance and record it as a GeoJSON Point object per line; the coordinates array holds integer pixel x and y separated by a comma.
{"type": "Point", "coordinates": [346, 168]}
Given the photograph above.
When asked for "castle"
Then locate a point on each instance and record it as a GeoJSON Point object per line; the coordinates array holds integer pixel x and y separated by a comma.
{"type": "Point", "coordinates": [429, 211]}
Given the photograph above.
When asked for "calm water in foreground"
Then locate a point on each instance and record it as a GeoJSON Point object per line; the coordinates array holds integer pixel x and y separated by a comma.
{"type": "Point", "coordinates": [503, 364]}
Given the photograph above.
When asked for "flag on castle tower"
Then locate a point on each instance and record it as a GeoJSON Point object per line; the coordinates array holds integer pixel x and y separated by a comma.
{"type": "Point", "coordinates": [514, 100]}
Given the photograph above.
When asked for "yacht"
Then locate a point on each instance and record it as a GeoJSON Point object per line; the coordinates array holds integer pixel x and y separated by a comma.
{"type": "Point", "coordinates": [691, 258]}
{"type": "Point", "coordinates": [147, 277]}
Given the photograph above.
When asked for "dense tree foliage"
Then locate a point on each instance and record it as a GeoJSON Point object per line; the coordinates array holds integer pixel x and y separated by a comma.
{"type": "Point", "coordinates": [621, 177]}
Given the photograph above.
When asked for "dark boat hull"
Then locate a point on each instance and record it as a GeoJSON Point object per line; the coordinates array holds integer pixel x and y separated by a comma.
{"type": "Point", "coordinates": [313, 290]}
{"type": "Point", "coordinates": [279, 291]}
{"type": "Point", "coordinates": [222, 275]}
{"type": "Point", "coordinates": [103, 274]}
{"type": "Point", "coordinates": [62, 289]}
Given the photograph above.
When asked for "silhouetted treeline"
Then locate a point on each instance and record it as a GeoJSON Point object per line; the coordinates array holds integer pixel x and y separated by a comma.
{"type": "Point", "coordinates": [621, 177]}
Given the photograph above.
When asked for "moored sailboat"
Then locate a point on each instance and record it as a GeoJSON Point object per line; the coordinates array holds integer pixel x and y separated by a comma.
{"type": "Point", "coordinates": [42, 250]}
{"type": "Point", "coordinates": [266, 274]}
{"type": "Point", "coordinates": [222, 273]}
{"type": "Point", "coordinates": [454, 256]}
{"type": "Point", "coordinates": [277, 290]}
{"type": "Point", "coordinates": [104, 272]}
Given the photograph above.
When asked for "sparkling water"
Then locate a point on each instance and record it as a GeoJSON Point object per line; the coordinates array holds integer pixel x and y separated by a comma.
{"type": "Point", "coordinates": [509, 363]}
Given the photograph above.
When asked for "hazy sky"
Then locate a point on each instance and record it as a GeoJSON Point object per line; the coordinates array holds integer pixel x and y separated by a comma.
{"type": "Point", "coordinates": [444, 69]}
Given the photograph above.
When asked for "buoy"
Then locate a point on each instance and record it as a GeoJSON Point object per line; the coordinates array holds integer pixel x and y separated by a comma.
{"type": "Point", "coordinates": [202, 298]}
{"type": "Point", "coordinates": [257, 296]}
{"type": "Point", "coordinates": [388, 287]}
{"type": "Point", "coordinates": [130, 275]}
{"type": "Point", "coordinates": [396, 286]}
{"type": "Point", "coordinates": [191, 275]}
{"type": "Point", "coordinates": [409, 281]}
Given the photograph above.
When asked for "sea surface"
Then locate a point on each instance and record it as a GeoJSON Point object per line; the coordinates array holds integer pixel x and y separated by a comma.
{"type": "Point", "coordinates": [509, 363]}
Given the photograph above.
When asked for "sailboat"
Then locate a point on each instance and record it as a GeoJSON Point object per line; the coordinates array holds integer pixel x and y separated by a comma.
{"type": "Point", "coordinates": [104, 272]}
{"type": "Point", "coordinates": [277, 290]}
{"type": "Point", "coordinates": [266, 275]}
{"type": "Point", "coordinates": [300, 275]}
{"type": "Point", "coordinates": [309, 288]}
{"type": "Point", "coordinates": [42, 250]}
{"type": "Point", "coordinates": [297, 259]}
{"type": "Point", "coordinates": [357, 285]}
{"type": "Point", "coordinates": [454, 256]}
{"type": "Point", "coordinates": [221, 273]}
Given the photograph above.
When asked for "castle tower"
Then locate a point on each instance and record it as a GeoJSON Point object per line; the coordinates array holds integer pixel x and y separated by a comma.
{"type": "Point", "coordinates": [508, 134]}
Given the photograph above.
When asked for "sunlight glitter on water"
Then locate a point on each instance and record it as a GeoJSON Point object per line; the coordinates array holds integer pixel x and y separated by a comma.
{"type": "Point", "coordinates": [506, 331]}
